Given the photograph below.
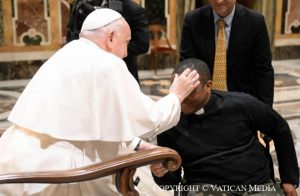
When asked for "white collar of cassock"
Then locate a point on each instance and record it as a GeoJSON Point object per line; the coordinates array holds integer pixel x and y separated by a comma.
{"type": "Point", "coordinates": [201, 111]}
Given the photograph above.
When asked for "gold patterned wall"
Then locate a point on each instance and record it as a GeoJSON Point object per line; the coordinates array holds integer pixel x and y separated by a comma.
{"type": "Point", "coordinates": [33, 30]}
{"type": "Point", "coordinates": [30, 32]}
{"type": "Point", "coordinates": [40, 26]}
{"type": "Point", "coordinates": [33, 25]}
{"type": "Point", "coordinates": [31, 21]}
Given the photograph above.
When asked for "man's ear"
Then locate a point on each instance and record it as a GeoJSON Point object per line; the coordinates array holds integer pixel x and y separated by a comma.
{"type": "Point", "coordinates": [209, 84]}
{"type": "Point", "coordinates": [110, 38]}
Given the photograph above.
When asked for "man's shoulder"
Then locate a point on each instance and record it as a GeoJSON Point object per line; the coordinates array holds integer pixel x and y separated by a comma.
{"type": "Point", "coordinates": [94, 53]}
{"type": "Point", "coordinates": [242, 10]}
{"type": "Point", "coordinates": [237, 98]}
{"type": "Point", "coordinates": [240, 95]}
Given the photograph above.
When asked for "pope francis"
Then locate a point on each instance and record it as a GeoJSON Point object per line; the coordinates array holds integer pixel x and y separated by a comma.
{"type": "Point", "coordinates": [80, 108]}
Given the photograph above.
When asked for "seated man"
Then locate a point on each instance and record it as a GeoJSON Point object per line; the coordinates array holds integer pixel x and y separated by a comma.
{"type": "Point", "coordinates": [217, 140]}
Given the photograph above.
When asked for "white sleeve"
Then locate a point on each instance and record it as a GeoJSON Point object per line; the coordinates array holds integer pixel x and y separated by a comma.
{"type": "Point", "coordinates": [134, 143]}
{"type": "Point", "coordinates": [167, 113]}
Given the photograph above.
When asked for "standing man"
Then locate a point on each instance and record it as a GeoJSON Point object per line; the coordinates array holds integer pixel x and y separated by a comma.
{"type": "Point", "coordinates": [246, 56]}
{"type": "Point", "coordinates": [133, 13]}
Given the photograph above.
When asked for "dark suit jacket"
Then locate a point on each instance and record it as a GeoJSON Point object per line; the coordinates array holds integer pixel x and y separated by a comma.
{"type": "Point", "coordinates": [249, 66]}
{"type": "Point", "coordinates": [140, 37]}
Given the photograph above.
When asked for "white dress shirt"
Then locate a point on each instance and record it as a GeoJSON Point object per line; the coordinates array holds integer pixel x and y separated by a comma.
{"type": "Point", "coordinates": [228, 24]}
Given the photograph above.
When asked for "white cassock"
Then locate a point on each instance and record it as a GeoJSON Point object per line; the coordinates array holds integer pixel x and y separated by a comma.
{"type": "Point", "coordinates": [74, 112]}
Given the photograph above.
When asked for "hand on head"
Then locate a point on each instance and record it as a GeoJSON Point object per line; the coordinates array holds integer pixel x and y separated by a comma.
{"type": "Point", "coordinates": [184, 84]}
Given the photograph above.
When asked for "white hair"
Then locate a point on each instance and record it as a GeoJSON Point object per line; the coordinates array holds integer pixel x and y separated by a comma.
{"type": "Point", "coordinates": [113, 26]}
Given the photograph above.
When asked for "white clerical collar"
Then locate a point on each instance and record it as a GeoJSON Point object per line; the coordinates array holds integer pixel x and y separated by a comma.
{"type": "Point", "coordinates": [201, 111]}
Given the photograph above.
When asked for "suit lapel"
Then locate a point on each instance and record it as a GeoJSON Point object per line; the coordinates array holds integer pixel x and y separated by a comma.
{"type": "Point", "coordinates": [238, 32]}
{"type": "Point", "coordinates": [209, 34]}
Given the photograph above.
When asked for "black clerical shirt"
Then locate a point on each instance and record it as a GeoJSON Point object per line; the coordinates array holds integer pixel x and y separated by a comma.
{"type": "Point", "coordinates": [221, 145]}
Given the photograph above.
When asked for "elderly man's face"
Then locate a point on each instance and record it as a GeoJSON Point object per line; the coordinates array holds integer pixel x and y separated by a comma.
{"type": "Point", "coordinates": [222, 7]}
{"type": "Point", "coordinates": [121, 41]}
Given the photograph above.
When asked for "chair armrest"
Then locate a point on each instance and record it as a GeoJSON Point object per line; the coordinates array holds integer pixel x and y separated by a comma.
{"type": "Point", "coordinates": [124, 166]}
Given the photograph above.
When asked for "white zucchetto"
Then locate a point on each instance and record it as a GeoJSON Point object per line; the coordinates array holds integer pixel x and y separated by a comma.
{"type": "Point", "coordinates": [95, 19]}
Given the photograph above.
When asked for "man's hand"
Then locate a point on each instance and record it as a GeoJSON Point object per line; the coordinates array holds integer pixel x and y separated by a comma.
{"type": "Point", "coordinates": [184, 84]}
{"type": "Point", "coordinates": [158, 169]}
{"type": "Point", "coordinates": [289, 189]}
{"type": "Point", "coordinates": [145, 145]}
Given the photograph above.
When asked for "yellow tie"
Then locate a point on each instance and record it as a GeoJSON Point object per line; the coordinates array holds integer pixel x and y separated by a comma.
{"type": "Point", "coordinates": [219, 71]}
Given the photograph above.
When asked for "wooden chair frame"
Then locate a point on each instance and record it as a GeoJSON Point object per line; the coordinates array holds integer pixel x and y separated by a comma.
{"type": "Point", "coordinates": [124, 167]}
